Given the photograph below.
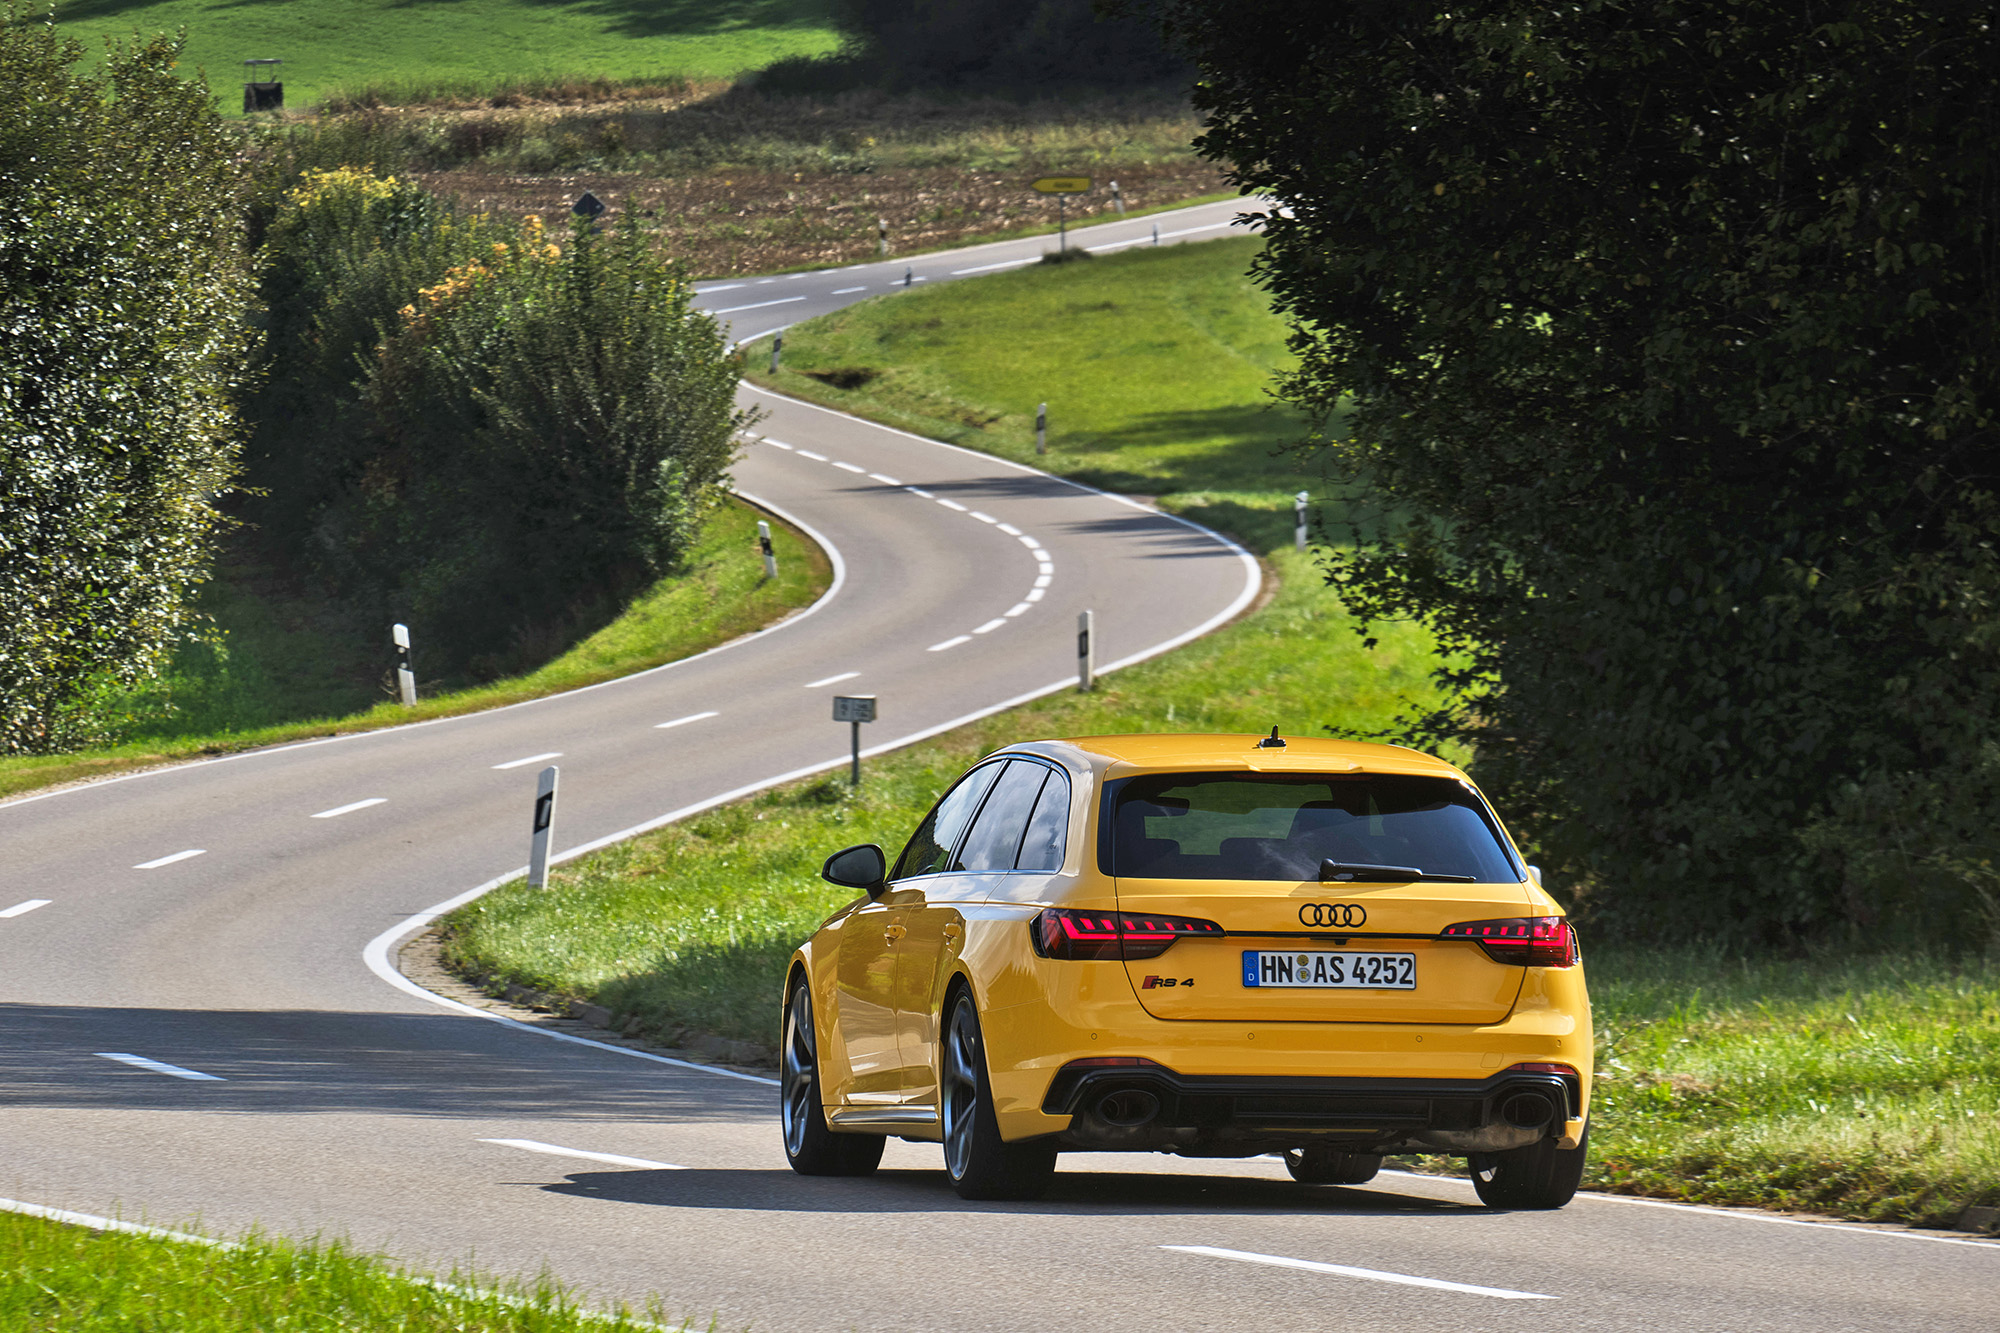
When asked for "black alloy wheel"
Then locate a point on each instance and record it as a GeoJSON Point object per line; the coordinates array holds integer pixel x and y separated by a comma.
{"type": "Point", "coordinates": [810, 1146]}
{"type": "Point", "coordinates": [1318, 1165]}
{"type": "Point", "coordinates": [980, 1164]}
{"type": "Point", "coordinates": [1540, 1175]}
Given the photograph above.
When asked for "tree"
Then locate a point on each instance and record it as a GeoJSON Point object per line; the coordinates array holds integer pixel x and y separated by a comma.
{"type": "Point", "coordinates": [122, 292]}
{"type": "Point", "coordinates": [1664, 339]}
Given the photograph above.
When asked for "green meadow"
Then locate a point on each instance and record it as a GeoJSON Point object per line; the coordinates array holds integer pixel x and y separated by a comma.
{"type": "Point", "coordinates": [399, 49]}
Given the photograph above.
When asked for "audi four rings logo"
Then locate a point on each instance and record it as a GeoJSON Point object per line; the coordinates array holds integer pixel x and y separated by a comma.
{"type": "Point", "coordinates": [1349, 915]}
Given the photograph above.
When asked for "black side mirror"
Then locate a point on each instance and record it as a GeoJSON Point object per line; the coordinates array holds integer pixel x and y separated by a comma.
{"type": "Point", "coordinates": [865, 867]}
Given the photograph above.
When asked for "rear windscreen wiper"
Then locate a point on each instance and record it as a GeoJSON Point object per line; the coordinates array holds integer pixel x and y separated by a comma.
{"type": "Point", "coordinates": [1353, 872]}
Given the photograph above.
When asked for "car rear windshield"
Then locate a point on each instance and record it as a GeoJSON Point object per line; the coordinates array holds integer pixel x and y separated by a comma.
{"type": "Point", "coordinates": [1272, 827]}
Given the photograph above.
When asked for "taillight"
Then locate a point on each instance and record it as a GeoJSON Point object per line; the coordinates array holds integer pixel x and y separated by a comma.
{"type": "Point", "coordinates": [1523, 941]}
{"type": "Point", "coordinates": [1066, 933]}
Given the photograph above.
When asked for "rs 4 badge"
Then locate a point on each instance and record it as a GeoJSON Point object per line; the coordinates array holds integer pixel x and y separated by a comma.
{"type": "Point", "coordinates": [1151, 983]}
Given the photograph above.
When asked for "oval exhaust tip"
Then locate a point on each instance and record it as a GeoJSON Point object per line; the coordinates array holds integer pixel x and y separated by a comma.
{"type": "Point", "coordinates": [1527, 1110]}
{"type": "Point", "coordinates": [1127, 1108]}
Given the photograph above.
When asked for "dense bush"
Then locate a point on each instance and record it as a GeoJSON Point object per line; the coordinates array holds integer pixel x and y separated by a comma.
{"type": "Point", "coordinates": [1670, 333]}
{"type": "Point", "coordinates": [492, 436]}
{"type": "Point", "coordinates": [122, 291]}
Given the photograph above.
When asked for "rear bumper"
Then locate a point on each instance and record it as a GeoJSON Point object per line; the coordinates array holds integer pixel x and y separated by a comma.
{"type": "Point", "coordinates": [1153, 1108]}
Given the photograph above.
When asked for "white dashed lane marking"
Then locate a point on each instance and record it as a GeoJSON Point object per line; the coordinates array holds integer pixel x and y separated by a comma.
{"type": "Point", "coordinates": [169, 860]}
{"type": "Point", "coordinates": [849, 467]}
{"type": "Point", "coordinates": [683, 721]}
{"type": "Point", "coordinates": [22, 909]}
{"type": "Point", "coordinates": [832, 680]}
{"type": "Point", "coordinates": [159, 1067]}
{"type": "Point", "coordinates": [608, 1158]}
{"type": "Point", "coordinates": [351, 807]}
{"type": "Point", "coordinates": [886, 481]}
{"type": "Point", "coordinates": [531, 759]}
{"type": "Point", "coordinates": [949, 643]}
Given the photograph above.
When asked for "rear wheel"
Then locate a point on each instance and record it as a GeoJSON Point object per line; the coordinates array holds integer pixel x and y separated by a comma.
{"type": "Point", "coordinates": [1330, 1166]}
{"type": "Point", "coordinates": [980, 1165]}
{"type": "Point", "coordinates": [1540, 1175]}
{"type": "Point", "coordinates": [811, 1147]}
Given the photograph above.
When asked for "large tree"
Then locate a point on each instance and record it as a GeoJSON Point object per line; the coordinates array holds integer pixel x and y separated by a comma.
{"type": "Point", "coordinates": [122, 293]}
{"type": "Point", "coordinates": [1671, 338]}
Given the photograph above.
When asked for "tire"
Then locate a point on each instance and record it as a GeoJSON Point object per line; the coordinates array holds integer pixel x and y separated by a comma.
{"type": "Point", "coordinates": [1330, 1166]}
{"type": "Point", "coordinates": [810, 1146]}
{"type": "Point", "coordinates": [980, 1164]}
{"type": "Point", "coordinates": [1540, 1175]}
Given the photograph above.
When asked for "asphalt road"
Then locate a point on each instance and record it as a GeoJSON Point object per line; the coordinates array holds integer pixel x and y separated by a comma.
{"type": "Point", "coordinates": [199, 1022]}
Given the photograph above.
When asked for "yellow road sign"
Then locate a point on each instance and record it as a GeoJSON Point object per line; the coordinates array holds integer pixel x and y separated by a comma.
{"type": "Point", "coordinates": [1062, 185]}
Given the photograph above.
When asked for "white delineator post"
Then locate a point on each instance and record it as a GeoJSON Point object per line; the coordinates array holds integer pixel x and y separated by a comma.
{"type": "Point", "coordinates": [882, 234]}
{"type": "Point", "coordinates": [544, 829]}
{"type": "Point", "coordinates": [1117, 199]}
{"type": "Point", "coordinates": [406, 679]}
{"type": "Point", "coordinates": [770, 555]}
{"type": "Point", "coordinates": [1042, 429]}
{"type": "Point", "coordinates": [1156, 233]}
{"type": "Point", "coordinates": [1086, 652]}
{"type": "Point", "coordinates": [1299, 518]}
{"type": "Point", "coordinates": [777, 346]}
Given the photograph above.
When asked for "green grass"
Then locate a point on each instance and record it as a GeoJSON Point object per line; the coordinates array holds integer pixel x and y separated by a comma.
{"type": "Point", "coordinates": [54, 1276]}
{"type": "Point", "coordinates": [279, 670]}
{"type": "Point", "coordinates": [1156, 365]}
{"type": "Point", "coordinates": [332, 45]}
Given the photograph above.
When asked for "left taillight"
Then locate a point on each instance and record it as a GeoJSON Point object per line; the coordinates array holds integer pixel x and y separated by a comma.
{"type": "Point", "coordinates": [1521, 941]}
{"type": "Point", "coordinates": [1068, 933]}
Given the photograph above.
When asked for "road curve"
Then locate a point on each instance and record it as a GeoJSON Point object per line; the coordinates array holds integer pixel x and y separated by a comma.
{"type": "Point", "coordinates": [189, 1029]}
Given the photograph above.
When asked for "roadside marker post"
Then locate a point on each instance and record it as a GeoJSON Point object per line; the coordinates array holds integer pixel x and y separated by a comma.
{"type": "Point", "coordinates": [1062, 187]}
{"type": "Point", "coordinates": [1117, 199]}
{"type": "Point", "coordinates": [1086, 652]}
{"type": "Point", "coordinates": [764, 544]}
{"type": "Point", "coordinates": [1042, 429]}
{"type": "Point", "coordinates": [544, 829]}
{"type": "Point", "coordinates": [909, 276]}
{"type": "Point", "coordinates": [854, 709]}
{"type": "Point", "coordinates": [882, 235]}
{"type": "Point", "coordinates": [1299, 518]}
{"type": "Point", "coordinates": [406, 679]}
{"type": "Point", "coordinates": [1156, 233]}
{"type": "Point", "coordinates": [777, 347]}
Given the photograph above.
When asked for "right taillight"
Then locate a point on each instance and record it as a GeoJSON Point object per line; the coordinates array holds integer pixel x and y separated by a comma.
{"type": "Point", "coordinates": [1067, 933]}
{"type": "Point", "coordinates": [1523, 941]}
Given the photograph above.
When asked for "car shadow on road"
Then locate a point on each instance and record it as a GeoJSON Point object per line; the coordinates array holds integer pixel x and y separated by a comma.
{"type": "Point", "coordinates": [1077, 1193]}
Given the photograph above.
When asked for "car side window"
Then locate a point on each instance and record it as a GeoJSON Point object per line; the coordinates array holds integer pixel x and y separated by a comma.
{"type": "Point", "coordinates": [1048, 828]}
{"type": "Point", "coordinates": [930, 846]}
{"type": "Point", "coordinates": [996, 833]}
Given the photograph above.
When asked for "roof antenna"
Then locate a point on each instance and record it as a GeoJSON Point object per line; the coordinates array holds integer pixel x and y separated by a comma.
{"type": "Point", "coordinates": [1271, 742]}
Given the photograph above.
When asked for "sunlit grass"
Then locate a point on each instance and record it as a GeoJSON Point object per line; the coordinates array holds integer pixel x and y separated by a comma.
{"type": "Point", "coordinates": [270, 682]}
{"type": "Point", "coordinates": [55, 1276]}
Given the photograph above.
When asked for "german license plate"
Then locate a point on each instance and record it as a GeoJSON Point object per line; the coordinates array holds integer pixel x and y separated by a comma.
{"type": "Point", "coordinates": [1345, 970]}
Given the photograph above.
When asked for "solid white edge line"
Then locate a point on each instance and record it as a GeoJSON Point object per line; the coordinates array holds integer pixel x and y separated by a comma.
{"type": "Point", "coordinates": [683, 721]}
{"type": "Point", "coordinates": [831, 680]}
{"type": "Point", "coordinates": [531, 759]}
{"type": "Point", "coordinates": [1740, 1214]}
{"type": "Point", "coordinates": [1370, 1274]}
{"type": "Point", "coordinates": [988, 268]}
{"type": "Point", "coordinates": [833, 590]}
{"type": "Point", "coordinates": [759, 305]}
{"type": "Point", "coordinates": [614, 1159]}
{"type": "Point", "coordinates": [22, 909]}
{"type": "Point", "coordinates": [152, 1066]}
{"type": "Point", "coordinates": [169, 860]}
{"type": "Point", "coordinates": [350, 808]}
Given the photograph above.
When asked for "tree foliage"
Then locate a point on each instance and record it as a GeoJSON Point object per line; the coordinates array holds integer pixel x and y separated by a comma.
{"type": "Point", "coordinates": [1669, 334]}
{"type": "Point", "coordinates": [122, 292]}
{"type": "Point", "coordinates": [493, 436]}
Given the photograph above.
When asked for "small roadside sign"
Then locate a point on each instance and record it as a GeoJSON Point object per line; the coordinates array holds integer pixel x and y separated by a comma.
{"type": "Point", "coordinates": [854, 708]}
{"type": "Point", "coordinates": [1062, 185]}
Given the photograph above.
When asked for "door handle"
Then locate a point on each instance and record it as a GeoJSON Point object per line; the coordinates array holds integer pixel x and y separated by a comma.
{"type": "Point", "coordinates": [894, 933]}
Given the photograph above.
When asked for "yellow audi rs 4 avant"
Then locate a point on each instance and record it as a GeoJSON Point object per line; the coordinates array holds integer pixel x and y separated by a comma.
{"type": "Point", "coordinates": [1215, 946]}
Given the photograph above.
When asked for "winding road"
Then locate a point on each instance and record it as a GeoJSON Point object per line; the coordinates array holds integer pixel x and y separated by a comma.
{"type": "Point", "coordinates": [201, 1022]}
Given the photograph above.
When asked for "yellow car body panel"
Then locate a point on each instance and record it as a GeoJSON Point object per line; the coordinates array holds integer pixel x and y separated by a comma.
{"type": "Point", "coordinates": [879, 994]}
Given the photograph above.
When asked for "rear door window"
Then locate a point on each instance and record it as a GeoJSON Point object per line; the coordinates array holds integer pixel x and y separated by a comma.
{"type": "Point", "coordinates": [1281, 827]}
{"type": "Point", "coordinates": [995, 838]}
{"type": "Point", "coordinates": [1048, 828]}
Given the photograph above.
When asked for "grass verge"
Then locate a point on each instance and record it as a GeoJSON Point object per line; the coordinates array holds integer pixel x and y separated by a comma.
{"type": "Point", "coordinates": [277, 672]}
{"type": "Point", "coordinates": [393, 47]}
{"type": "Point", "coordinates": [57, 1276]}
{"type": "Point", "coordinates": [1865, 1086]}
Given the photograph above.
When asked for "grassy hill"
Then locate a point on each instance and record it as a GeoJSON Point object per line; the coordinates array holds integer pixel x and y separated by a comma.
{"type": "Point", "coordinates": [349, 44]}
